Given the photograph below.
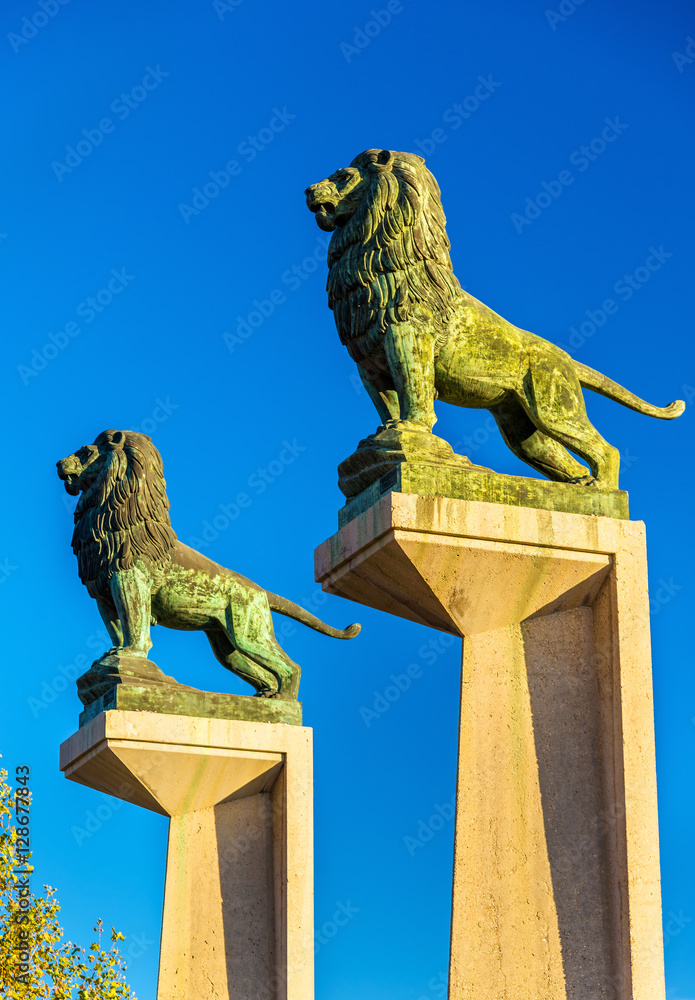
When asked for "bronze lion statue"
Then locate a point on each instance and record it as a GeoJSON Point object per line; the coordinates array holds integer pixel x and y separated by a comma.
{"type": "Point", "coordinates": [140, 574]}
{"type": "Point", "coordinates": [416, 335]}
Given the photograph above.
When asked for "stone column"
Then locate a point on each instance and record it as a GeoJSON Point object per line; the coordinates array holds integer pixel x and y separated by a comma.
{"type": "Point", "coordinates": [556, 892]}
{"type": "Point", "coordinates": [238, 903]}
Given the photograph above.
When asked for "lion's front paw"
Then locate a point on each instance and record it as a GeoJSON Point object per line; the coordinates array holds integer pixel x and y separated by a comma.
{"type": "Point", "coordinates": [587, 480]}
{"type": "Point", "coordinates": [407, 425]}
{"type": "Point", "coordinates": [127, 651]}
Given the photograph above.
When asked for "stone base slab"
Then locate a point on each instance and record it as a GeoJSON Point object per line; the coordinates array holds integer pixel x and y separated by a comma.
{"type": "Point", "coordinates": [471, 482]}
{"type": "Point", "coordinates": [176, 699]}
{"type": "Point", "coordinates": [238, 903]}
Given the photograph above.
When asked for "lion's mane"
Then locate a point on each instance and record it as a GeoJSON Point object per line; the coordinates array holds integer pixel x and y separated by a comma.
{"type": "Point", "coordinates": [124, 515]}
{"type": "Point", "coordinates": [392, 255]}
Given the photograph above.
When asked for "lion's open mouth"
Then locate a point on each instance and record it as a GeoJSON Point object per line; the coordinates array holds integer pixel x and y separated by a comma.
{"type": "Point", "coordinates": [327, 207]}
{"type": "Point", "coordinates": [71, 485]}
{"type": "Point", "coordinates": [325, 214]}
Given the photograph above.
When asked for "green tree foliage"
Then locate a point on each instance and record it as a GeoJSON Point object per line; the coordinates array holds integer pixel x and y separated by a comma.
{"type": "Point", "coordinates": [35, 961]}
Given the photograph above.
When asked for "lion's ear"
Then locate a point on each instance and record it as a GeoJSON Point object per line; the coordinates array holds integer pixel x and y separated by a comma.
{"type": "Point", "coordinates": [117, 440]}
{"type": "Point", "coordinates": [383, 162]}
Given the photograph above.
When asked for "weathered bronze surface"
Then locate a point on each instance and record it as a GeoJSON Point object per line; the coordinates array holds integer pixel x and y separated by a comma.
{"type": "Point", "coordinates": [416, 335]}
{"type": "Point", "coordinates": [140, 575]}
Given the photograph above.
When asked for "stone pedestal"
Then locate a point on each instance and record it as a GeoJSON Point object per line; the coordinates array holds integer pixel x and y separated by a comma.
{"type": "Point", "coordinates": [238, 903]}
{"type": "Point", "coordinates": [556, 892]}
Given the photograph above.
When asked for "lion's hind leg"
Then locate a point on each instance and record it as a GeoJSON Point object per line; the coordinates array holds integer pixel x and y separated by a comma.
{"type": "Point", "coordinates": [554, 401]}
{"type": "Point", "coordinates": [532, 446]}
{"type": "Point", "coordinates": [249, 626]}
{"type": "Point", "coordinates": [262, 680]}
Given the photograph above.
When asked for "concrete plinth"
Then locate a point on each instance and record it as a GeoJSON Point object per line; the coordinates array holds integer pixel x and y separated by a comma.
{"type": "Point", "coordinates": [238, 902]}
{"type": "Point", "coordinates": [556, 892]}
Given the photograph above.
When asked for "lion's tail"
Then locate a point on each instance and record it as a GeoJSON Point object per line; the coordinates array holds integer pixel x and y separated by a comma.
{"type": "Point", "coordinates": [597, 382]}
{"type": "Point", "coordinates": [292, 610]}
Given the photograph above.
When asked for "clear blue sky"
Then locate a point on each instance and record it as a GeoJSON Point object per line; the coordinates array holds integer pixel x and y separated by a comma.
{"type": "Point", "coordinates": [286, 92]}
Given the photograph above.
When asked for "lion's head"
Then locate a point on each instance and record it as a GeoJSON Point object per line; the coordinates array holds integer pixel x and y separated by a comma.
{"type": "Point", "coordinates": [389, 252]}
{"type": "Point", "coordinates": [122, 515]}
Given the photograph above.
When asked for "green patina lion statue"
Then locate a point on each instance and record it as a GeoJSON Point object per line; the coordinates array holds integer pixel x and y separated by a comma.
{"type": "Point", "coordinates": [131, 561]}
{"type": "Point", "coordinates": [416, 335]}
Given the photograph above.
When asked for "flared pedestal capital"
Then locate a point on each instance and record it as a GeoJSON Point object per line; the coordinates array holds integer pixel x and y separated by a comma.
{"type": "Point", "coordinates": [466, 567]}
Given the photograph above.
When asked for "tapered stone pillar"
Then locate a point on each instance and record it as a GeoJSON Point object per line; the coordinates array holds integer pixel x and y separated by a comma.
{"type": "Point", "coordinates": [238, 903]}
{"type": "Point", "coordinates": [556, 892]}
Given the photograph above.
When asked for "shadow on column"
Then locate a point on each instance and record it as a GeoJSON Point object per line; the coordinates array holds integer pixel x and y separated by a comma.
{"type": "Point", "coordinates": [244, 829]}
{"type": "Point", "coordinates": [564, 705]}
